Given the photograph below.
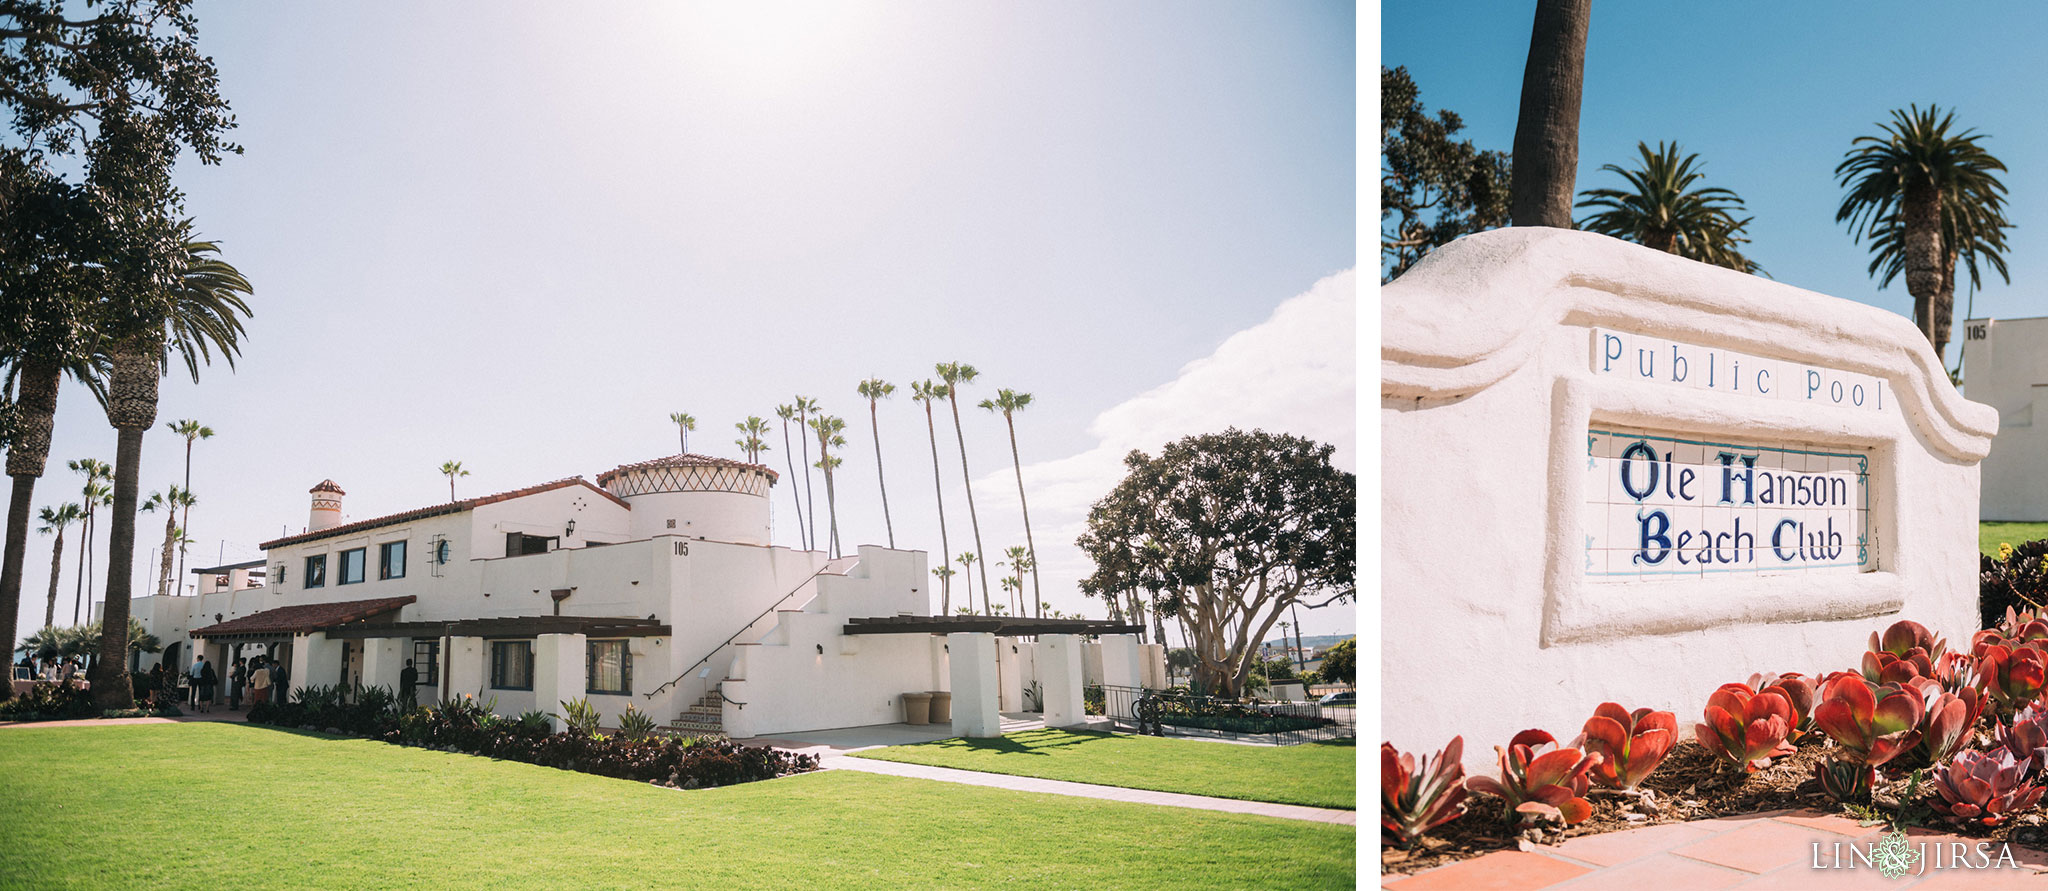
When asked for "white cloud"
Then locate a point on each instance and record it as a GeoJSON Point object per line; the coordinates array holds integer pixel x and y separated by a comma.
{"type": "Point", "coordinates": [1296, 372]}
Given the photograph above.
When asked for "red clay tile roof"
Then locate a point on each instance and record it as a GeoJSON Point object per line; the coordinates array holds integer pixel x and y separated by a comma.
{"type": "Point", "coordinates": [304, 618]}
{"type": "Point", "coordinates": [327, 486]}
{"type": "Point", "coordinates": [437, 510]}
{"type": "Point", "coordinates": [683, 461]}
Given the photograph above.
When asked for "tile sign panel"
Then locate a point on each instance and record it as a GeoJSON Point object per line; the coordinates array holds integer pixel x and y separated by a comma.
{"type": "Point", "coordinates": [1619, 354]}
{"type": "Point", "coordinates": [1665, 506]}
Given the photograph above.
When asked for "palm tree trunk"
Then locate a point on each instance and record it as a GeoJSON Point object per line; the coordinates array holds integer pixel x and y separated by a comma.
{"type": "Point", "coordinates": [953, 397]}
{"type": "Point", "coordinates": [789, 455]}
{"type": "Point", "coordinates": [1944, 310]}
{"type": "Point", "coordinates": [1663, 241]}
{"type": "Point", "coordinates": [85, 548]}
{"type": "Point", "coordinates": [56, 569]}
{"type": "Point", "coordinates": [873, 425]}
{"type": "Point", "coordinates": [35, 416]}
{"type": "Point", "coordinates": [1923, 254]}
{"type": "Point", "coordinates": [1546, 148]}
{"type": "Point", "coordinates": [163, 585]}
{"type": "Point", "coordinates": [831, 507]}
{"type": "Point", "coordinates": [185, 522]}
{"type": "Point", "coordinates": [810, 501]}
{"type": "Point", "coordinates": [939, 489]}
{"type": "Point", "coordinates": [1038, 603]}
{"type": "Point", "coordinates": [131, 408]}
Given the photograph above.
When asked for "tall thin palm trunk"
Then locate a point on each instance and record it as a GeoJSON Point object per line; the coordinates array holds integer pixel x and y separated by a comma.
{"type": "Point", "coordinates": [1546, 147]}
{"type": "Point", "coordinates": [131, 409]}
{"type": "Point", "coordinates": [875, 426]}
{"type": "Point", "coordinates": [789, 455]}
{"type": "Point", "coordinates": [953, 398]}
{"type": "Point", "coordinates": [939, 490]}
{"type": "Point", "coordinates": [1923, 255]}
{"type": "Point", "coordinates": [1038, 603]}
{"type": "Point", "coordinates": [185, 521]}
{"type": "Point", "coordinates": [35, 416]}
{"type": "Point", "coordinates": [85, 549]}
{"type": "Point", "coordinates": [56, 568]}
{"type": "Point", "coordinates": [810, 501]}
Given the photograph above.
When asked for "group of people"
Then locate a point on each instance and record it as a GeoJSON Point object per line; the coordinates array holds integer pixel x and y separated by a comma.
{"type": "Point", "coordinates": [49, 668]}
{"type": "Point", "coordinates": [256, 676]}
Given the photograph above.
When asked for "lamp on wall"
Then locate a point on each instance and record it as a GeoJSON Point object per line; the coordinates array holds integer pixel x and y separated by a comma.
{"type": "Point", "coordinates": [571, 530]}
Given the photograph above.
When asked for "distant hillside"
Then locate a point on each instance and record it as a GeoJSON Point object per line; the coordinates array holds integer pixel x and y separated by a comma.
{"type": "Point", "coordinates": [1312, 641]}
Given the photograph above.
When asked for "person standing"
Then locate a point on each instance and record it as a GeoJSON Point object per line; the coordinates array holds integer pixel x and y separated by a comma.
{"type": "Point", "coordinates": [157, 677]}
{"type": "Point", "coordinates": [237, 675]}
{"type": "Point", "coordinates": [259, 683]}
{"type": "Point", "coordinates": [192, 675]}
{"type": "Point", "coordinates": [208, 679]}
{"type": "Point", "coordinates": [408, 684]}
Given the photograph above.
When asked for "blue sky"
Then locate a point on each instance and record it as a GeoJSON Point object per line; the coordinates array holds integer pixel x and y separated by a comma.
{"type": "Point", "coordinates": [520, 237]}
{"type": "Point", "coordinates": [1770, 96]}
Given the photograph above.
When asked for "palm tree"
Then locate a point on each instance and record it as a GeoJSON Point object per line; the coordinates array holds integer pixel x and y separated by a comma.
{"type": "Point", "coordinates": [170, 501]}
{"type": "Point", "coordinates": [1012, 592]}
{"type": "Point", "coordinates": [1907, 180]}
{"type": "Point", "coordinates": [54, 520]}
{"type": "Point", "coordinates": [926, 391]}
{"type": "Point", "coordinates": [1019, 560]}
{"type": "Point", "coordinates": [451, 470]}
{"type": "Point", "coordinates": [945, 574]}
{"type": "Point", "coordinates": [966, 561]}
{"type": "Point", "coordinates": [201, 310]}
{"type": "Point", "coordinates": [876, 389]}
{"type": "Point", "coordinates": [1546, 147]}
{"type": "Point", "coordinates": [97, 494]}
{"type": "Point", "coordinates": [955, 374]}
{"type": "Point", "coordinates": [787, 413]}
{"type": "Point", "coordinates": [828, 428]}
{"type": "Point", "coordinates": [191, 430]}
{"type": "Point", "coordinates": [1972, 232]}
{"type": "Point", "coordinates": [750, 441]}
{"type": "Point", "coordinates": [1009, 402]}
{"type": "Point", "coordinates": [1661, 209]}
{"type": "Point", "coordinates": [805, 407]}
{"type": "Point", "coordinates": [684, 424]}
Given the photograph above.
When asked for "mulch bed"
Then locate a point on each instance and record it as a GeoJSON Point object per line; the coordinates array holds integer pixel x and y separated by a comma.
{"type": "Point", "coordinates": [1689, 785]}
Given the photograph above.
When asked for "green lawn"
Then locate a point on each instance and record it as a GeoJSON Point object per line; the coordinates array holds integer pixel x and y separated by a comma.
{"type": "Point", "coordinates": [1990, 534]}
{"type": "Point", "coordinates": [1316, 774]}
{"type": "Point", "coordinates": [229, 805]}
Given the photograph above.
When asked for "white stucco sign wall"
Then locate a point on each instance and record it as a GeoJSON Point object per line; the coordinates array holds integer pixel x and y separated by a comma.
{"type": "Point", "coordinates": [1613, 474]}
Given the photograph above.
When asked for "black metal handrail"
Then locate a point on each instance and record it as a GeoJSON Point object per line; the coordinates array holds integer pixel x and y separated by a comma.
{"type": "Point", "coordinates": [736, 635]}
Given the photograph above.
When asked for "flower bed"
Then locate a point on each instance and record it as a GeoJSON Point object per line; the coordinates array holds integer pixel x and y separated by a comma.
{"type": "Point", "coordinates": [70, 702]}
{"type": "Point", "coordinates": [1915, 735]}
{"type": "Point", "coordinates": [468, 726]}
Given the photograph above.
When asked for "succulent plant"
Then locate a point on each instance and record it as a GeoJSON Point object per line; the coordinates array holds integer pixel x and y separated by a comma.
{"type": "Point", "coordinates": [1745, 726]}
{"type": "Point", "coordinates": [1845, 779]}
{"type": "Point", "coordinates": [1416, 798]}
{"type": "Point", "coordinates": [1535, 786]}
{"type": "Point", "coordinates": [2027, 736]}
{"type": "Point", "coordinates": [1907, 637]}
{"type": "Point", "coordinates": [1956, 671]}
{"type": "Point", "coordinates": [1948, 720]}
{"type": "Point", "coordinates": [1798, 690]}
{"type": "Point", "coordinates": [1630, 744]}
{"type": "Point", "coordinates": [1983, 788]}
{"type": "Point", "coordinates": [1876, 724]}
{"type": "Point", "coordinates": [2014, 674]}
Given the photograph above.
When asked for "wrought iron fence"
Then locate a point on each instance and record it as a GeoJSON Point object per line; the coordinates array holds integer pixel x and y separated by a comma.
{"type": "Point", "coordinates": [1180, 713]}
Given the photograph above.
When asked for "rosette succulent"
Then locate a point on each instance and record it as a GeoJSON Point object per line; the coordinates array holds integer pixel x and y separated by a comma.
{"type": "Point", "coordinates": [1746, 727]}
{"type": "Point", "coordinates": [1630, 744]}
{"type": "Point", "coordinates": [1876, 724]}
{"type": "Point", "coordinates": [1540, 784]}
{"type": "Point", "coordinates": [2014, 674]}
{"type": "Point", "coordinates": [1983, 788]}
{"type": "Point", "coordinates": [2027, 736]}
{"type": "Point", "coordinates": [1418, 797]}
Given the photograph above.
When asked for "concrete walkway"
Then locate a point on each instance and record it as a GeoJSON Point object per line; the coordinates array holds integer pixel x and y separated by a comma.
{"type": "Point", "coordinates": [219, 713]}
{"type": "Point", "coordinates": [834, 746]}
{"type": "Point", "coordinates": [1777, 849]}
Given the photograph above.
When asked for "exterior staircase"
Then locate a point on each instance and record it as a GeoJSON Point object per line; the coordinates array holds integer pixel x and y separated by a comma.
{"type": "Point", "coordinates": [705, 717]}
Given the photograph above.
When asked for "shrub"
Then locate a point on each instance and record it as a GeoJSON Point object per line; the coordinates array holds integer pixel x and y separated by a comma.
{"type": "Point", "coordinates": [1415, 798]}
{"type": "Point", "coordinates": [50, 702]}
{"type": "Point", "coordinates": [2017, 579]}
{"type": "Point", "coordinates": [634, 724]}
{"type": "Point", "coordinates": [581, 716]}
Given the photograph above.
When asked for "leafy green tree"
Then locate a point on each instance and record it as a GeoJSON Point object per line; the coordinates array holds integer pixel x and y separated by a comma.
{"type": "Point", "coordinates": [927, 392]}
{"type": "Point", "coordinates": [196, 310]}
{"type": "Point", "coordinates": [1340, 663]}
{"type": "Point", "coordinates": [1908, 188]}
{"type": "Point", "coordinates": [1547, 128]}
{"type": "Point", "coordinates": [54, 519]}
{"type": "Point", "coordinates": [1010, 402]}
{"type": "Point", "coordinates": [1226, 531]}
{"type": "Point", "coordinates": [1433, 187]}
{"type": "Point", "coordinates": [1662, 209]}
{"type": "Point", "coordinates": [874, 390]}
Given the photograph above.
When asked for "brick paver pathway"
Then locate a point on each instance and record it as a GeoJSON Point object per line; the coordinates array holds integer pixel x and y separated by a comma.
{"type": "Point", "coordinates": [1760, 851]}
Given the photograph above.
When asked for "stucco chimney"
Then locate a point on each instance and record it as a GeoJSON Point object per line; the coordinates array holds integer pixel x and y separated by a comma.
{"type": "Point", "coordinates": [326, 506]}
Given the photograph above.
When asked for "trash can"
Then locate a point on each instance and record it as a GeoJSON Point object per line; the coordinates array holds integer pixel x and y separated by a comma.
{"type": "Point", "coordinates": [942, 707]}
{"type": "Point", "coordinates": [917, 708]}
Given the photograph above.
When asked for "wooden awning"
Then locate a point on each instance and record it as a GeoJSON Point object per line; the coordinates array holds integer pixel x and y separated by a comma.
{"type": "Point", "coordinates": [1003, 626]}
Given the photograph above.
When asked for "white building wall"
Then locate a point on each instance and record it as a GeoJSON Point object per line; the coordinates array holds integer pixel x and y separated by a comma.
{"type": "Point", "coordinates": [2006, 367]}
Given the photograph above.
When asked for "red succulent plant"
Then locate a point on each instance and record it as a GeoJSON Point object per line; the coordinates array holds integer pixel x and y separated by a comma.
{"type": "Point", "coordinates": [1983, 788]}
{"type": "Point", "coordinates": [1745, 726]}
{"type": "Point", "coordinates": [2027, 736]}
{"type": "Point", "coordinates": [1415, 798]}
{"type": "Point", "coordinates": [2014, 674]}
{"type": "Point", "coordinates": [1630, 744]}
{"type": "Point", "coordinates": [1948, 720]}
{"type": "Point", "coordinates": [1876, 724]}
{"type": "Point", "coordinates": [1535, 786]}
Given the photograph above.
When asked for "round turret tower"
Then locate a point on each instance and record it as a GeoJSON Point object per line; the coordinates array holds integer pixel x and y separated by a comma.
{"type": "Point", "coordinates": [326, 512]}
{"type": "Point", "coordinates": [696, 496]}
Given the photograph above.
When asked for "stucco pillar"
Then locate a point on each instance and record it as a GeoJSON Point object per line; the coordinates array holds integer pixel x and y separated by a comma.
{"type": "Point", "coordinates": [316, 661]}
{"type": "Point", "coordinates": [383, 658]}
{"type": "Point", "coordinates": [1153, 659]}
{"type": "Point", "coordinates": [558, 670]}
{"type": "Point", "coordinates": [1120, 666]}
{"type": "Point", "coordinates": [465, 666]}
{"type": "Point", "coordinates": [1009, 676]}
{"type": "Point", "coordinates": [1059, 676]}
{"type": "Point", "coordinates": [973, 669]}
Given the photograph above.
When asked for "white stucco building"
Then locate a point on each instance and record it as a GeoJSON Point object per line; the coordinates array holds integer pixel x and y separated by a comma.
{"type": "Point", "coordinates": [655, 586]}
{"type": "Point", "coordinates": [2006, 367]}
